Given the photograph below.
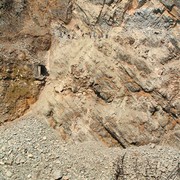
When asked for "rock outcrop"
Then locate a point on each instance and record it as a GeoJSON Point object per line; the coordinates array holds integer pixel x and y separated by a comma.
{"type": "Point", "coordinates": [113, 67]}
{"type": "Point", "coordinates": [101, 72]}
{"type": "Point", "coordinates": [114, 74]}
{"type": "Point", "coordinates": [18, 88]}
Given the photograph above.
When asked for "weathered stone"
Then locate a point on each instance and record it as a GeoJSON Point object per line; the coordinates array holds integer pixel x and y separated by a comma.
{"type": "Point", "coordinates": [41, 43]}
{"type": "Point", "coordinates": [170, 3]}
{"type": "Point", "coordinates": [8, 174]}
{"type": "Point", "coordinates": [133, 87]}
{"type": "Point", "coordinates": [57, 175]}
{"type": "Point", "coordinates": [102, 1]}
{"type": "Point", "coordinates": [18, 89]}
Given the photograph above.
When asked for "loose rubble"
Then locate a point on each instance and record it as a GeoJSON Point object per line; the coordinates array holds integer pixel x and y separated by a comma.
{"type": "Point", "coordinates": [30, 149]}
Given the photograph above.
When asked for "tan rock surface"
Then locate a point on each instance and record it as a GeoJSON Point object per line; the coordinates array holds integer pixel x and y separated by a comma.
{"type": "Point", "coordinates": [113, 66]}
{"type": "Point", "coordinates": [110, 69]}
{"type": "Point", "coordinates": [122, 88]}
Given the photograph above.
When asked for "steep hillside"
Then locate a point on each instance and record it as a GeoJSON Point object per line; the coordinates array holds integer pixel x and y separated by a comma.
{"type": "Point", "coordinates": [113, 68]}
{"type": "Point", "coordinates": [90, 74]}
{"type": "Point", "coordinates": [114, 73]}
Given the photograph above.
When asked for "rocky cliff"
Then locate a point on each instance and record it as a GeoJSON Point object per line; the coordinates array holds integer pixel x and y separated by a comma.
{"type": "Point", "coordinates": [96, 70]}
{"type": "Point", "coordinates": [113, 67]}
{"type": "Point", "coordinates": [114, 73]}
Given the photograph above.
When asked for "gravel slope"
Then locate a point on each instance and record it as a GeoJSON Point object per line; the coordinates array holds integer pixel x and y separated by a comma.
{"type": "Point", "coordinates": [30, 149]}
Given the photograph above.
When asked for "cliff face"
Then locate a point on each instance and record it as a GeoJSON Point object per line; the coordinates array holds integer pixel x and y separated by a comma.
{"type": "Point", "coordinates": [23, 44]}
{"type": "Point", "coordinates": [101, 72]}
{"type": "Point", "coordinates": [113, 68]}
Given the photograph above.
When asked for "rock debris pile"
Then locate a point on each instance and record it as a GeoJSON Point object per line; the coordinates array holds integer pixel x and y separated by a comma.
{"type": "Point", "coordinates": [30, 149]}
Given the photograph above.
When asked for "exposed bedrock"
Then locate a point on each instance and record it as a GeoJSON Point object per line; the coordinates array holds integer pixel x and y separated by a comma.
{"type": "Point", "coordinates": [113, 67]}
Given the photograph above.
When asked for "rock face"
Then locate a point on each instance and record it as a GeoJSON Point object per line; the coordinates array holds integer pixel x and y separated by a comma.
{"type": "Point", "coordinates": [101, 72]}
{"type": "Point", "coordinates": [18, 88]}
{"type": "Point", "coordinates": [113, 67]}
{"type": "Point", "coordinates": [114, 74]}
{"type": "Point", "coordinates": [20, 49]}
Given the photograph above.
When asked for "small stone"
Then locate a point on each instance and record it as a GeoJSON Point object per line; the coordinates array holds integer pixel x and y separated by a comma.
{"type": "Point", "coordinates": [65, 178]}
{"type": "Point", "coordinates": [8, 173]}
{"type": "Point", "coordinates": [21, 56]}
{"type": "Point", "coordinates": [44, 138]}
{"type": "Point", "coordinates": [37, 82]}
{"type": "Point", "coordinates": [153, 146]}
{"type": "Point", "coordinates": [29, 176]}
{"type": "Point", "coordinates": [57, 175]}
{"type": "Point", "coordinates": [30, 155]}
{"type": "Point", "coordinates": [133, 87]}
{"type": "Point", "coordinates": [59, 89]}
{"type": "Point", "coordinates": [1, 163]}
